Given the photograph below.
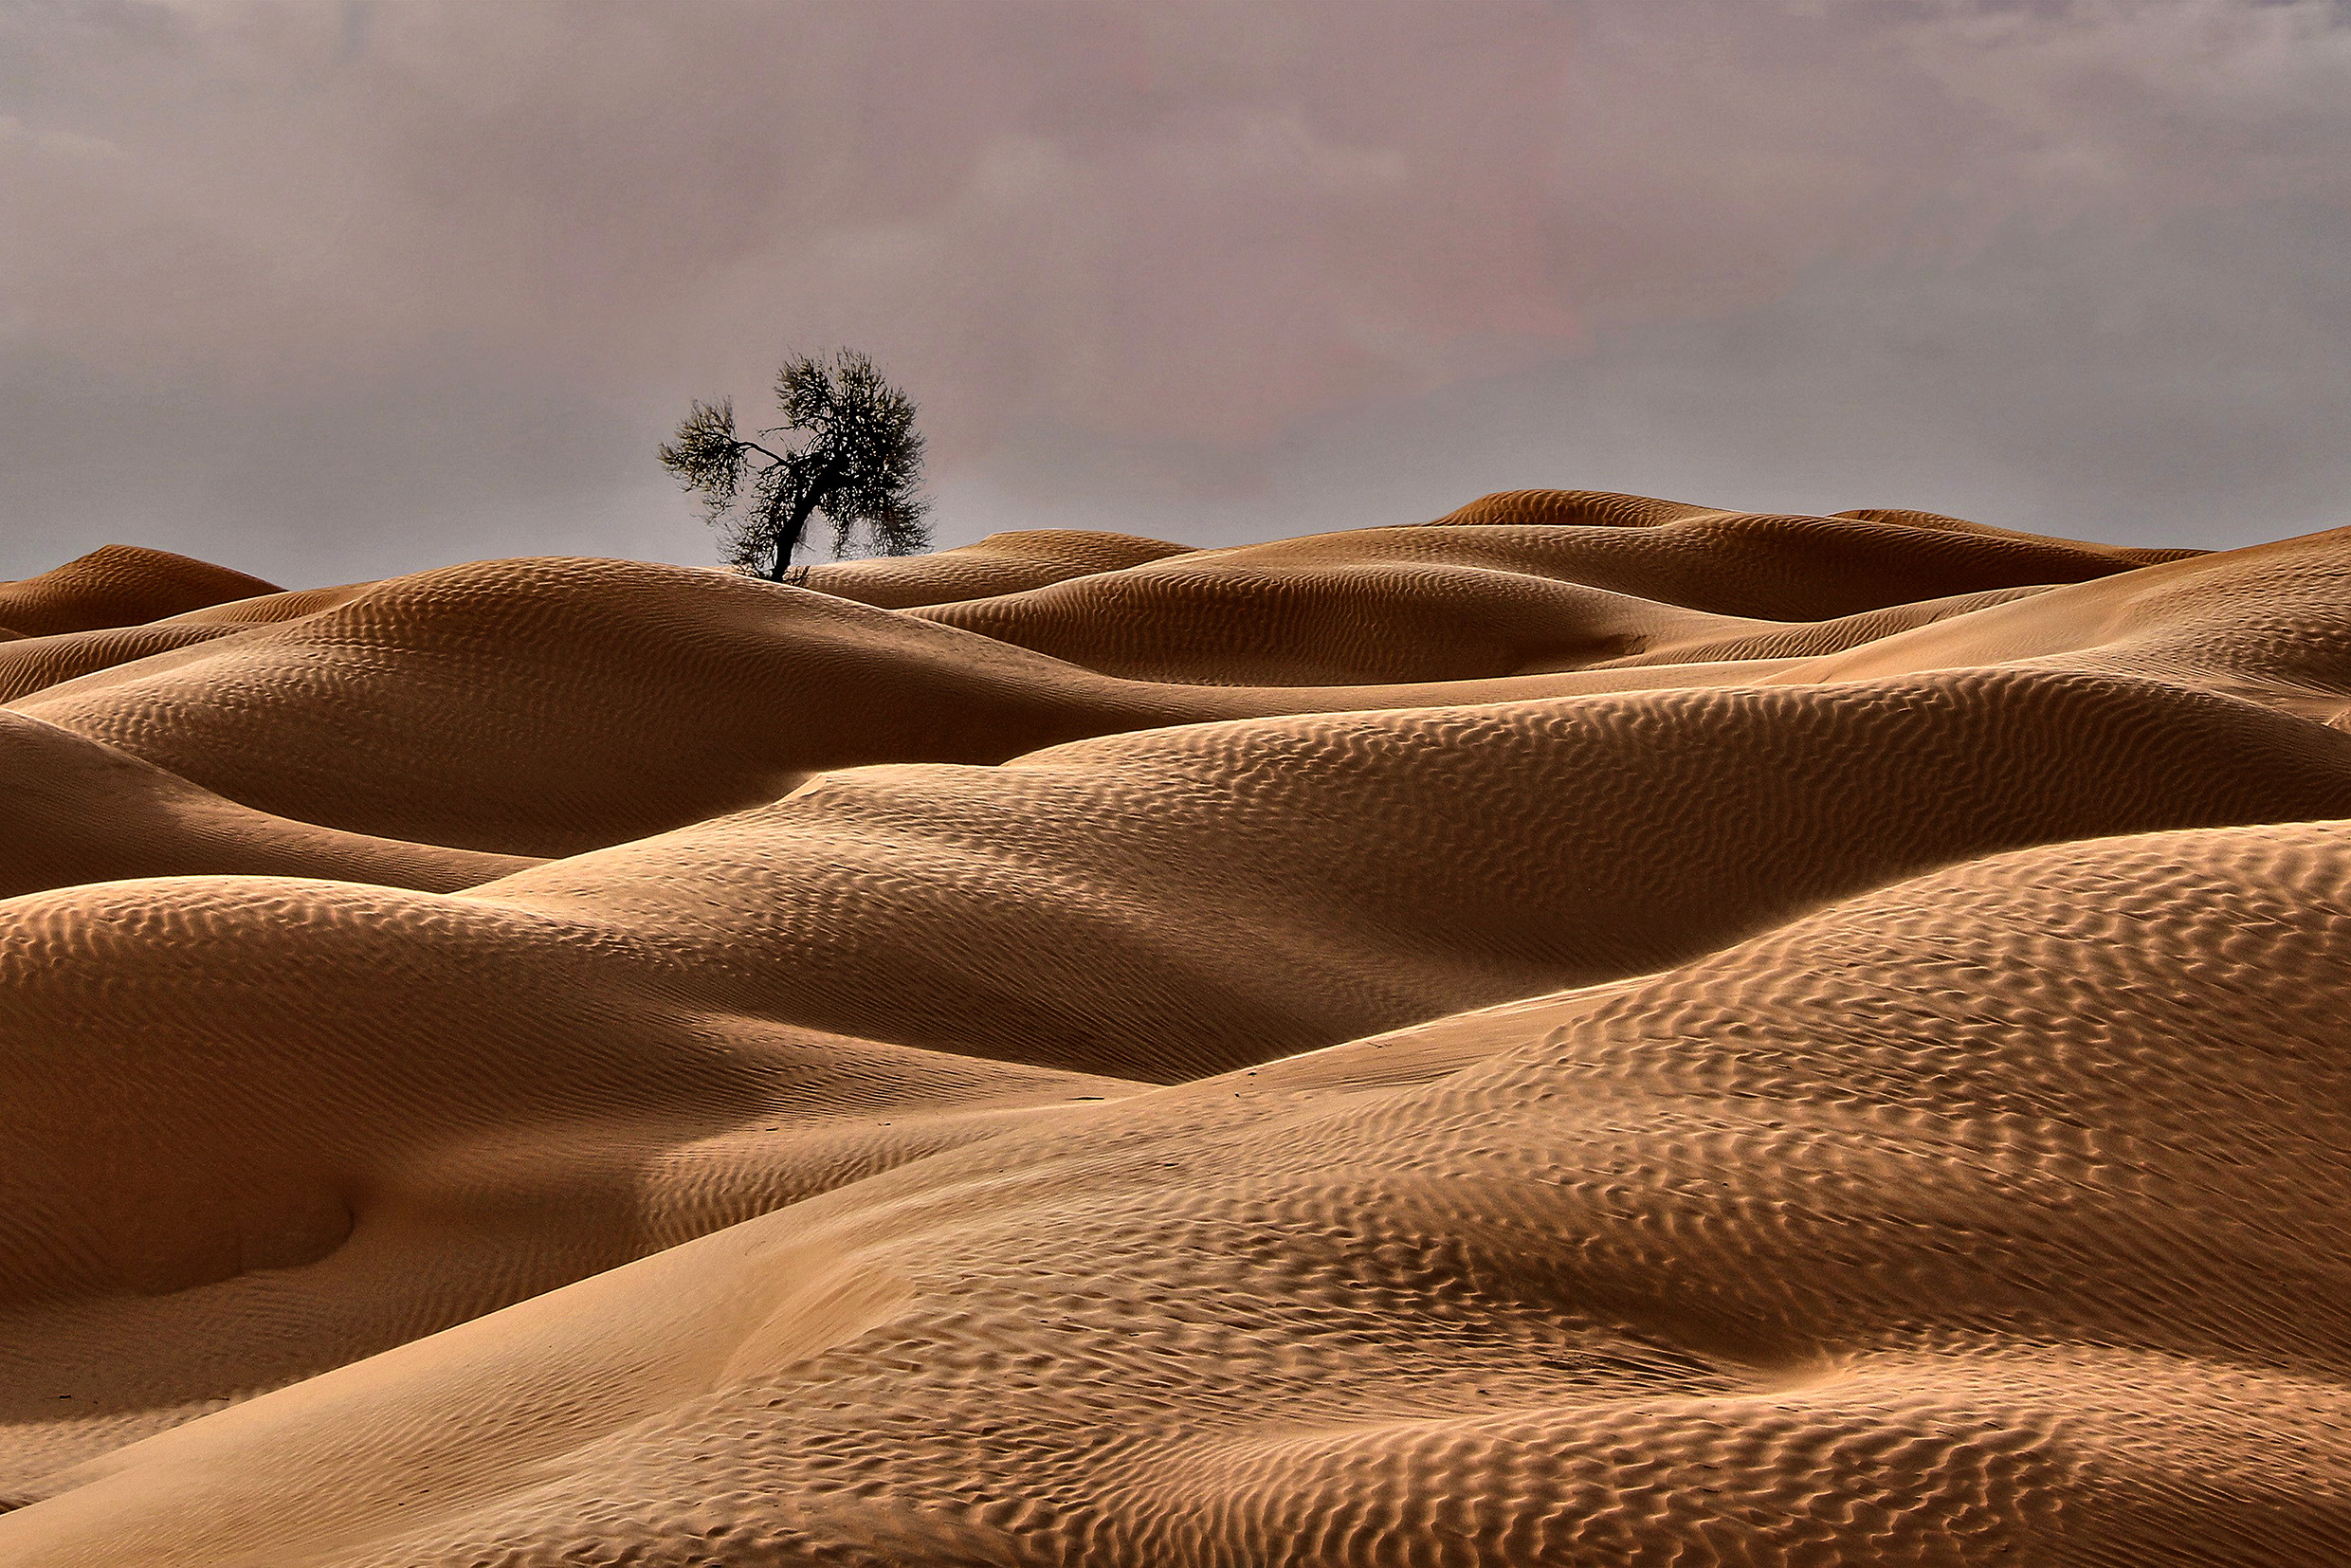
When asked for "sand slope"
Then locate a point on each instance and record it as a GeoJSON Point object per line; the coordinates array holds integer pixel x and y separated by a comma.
{"type": "Point", "coordinates": [81, 811]}
{"type": "Point", "coordinates": [1854, 1075]}
{"type": "Point", "coordinates": [1001, 563]}
{"type": "Point", "coordinates": [118, 585]}
{"type": "Point", "coordinates": [631, 698]}
{"type": "Point", "coordinates": [1522, 581]}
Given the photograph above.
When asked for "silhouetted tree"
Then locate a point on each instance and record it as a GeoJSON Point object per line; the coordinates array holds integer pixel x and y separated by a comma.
{"type": "Point", "coordinates": [859, 465]}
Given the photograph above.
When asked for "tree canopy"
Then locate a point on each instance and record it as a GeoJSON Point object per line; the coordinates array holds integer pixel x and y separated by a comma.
{"type": "Point", "coordinates": [859, 465]}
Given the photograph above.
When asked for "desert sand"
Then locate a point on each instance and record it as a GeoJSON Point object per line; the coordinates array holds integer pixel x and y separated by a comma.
{"type": "Point", "coordinates": [1588, 1031]}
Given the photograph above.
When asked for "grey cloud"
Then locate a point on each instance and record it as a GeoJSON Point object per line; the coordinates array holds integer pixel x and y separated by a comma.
{"type": "Point", "coordinates": [2178, 387]}
{"type": "Point", "coordinates": [333, 291]}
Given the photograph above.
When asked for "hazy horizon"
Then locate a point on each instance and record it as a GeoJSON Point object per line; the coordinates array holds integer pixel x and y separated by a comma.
{"type": "Point", "coordinates": [331, 291]}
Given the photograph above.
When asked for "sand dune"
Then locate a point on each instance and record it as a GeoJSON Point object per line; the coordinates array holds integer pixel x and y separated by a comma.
{"type": "Point", "coordinates": [627, 700]}
{"type": "Point", "coordinates": [118, 585]}
{"type": "Point", "coordinates": [1521, 582]}
{"type": "Point", "coordinates": [2271, 623]}
{"type": "Point", "coordinates": [81, 811]}
{"type": "Point", "coordinates": [33, 663]}
{"type": "Point", "coordinates": [1001, 563]}
{"type": "Point", "coordinates": [723, 693]}
{"type": "Point", "coordinates": [1592, 1032]}
{"type": "Point", "coordinates": [1641, 1283]}
{"type": "Point", "coordinates": [117, 604]}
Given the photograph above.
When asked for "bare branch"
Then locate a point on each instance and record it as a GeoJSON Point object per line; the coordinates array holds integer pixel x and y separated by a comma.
{"type": "Point", "coordinates": [860, 466]}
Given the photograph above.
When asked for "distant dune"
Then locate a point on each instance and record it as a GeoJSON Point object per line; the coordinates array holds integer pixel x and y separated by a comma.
{"type": "Point", "coordinates": [1592, 1031]}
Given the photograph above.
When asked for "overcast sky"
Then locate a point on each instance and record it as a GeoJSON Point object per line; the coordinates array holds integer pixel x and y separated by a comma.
{"type": "Point", "coordinates": [330, 290]}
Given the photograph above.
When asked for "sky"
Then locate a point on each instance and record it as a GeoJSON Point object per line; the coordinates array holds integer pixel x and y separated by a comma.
{"type": "Point", "coordinates": [332, 289]}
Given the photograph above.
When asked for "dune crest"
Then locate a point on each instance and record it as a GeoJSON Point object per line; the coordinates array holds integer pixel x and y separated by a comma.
{"type": "Point", "coordinates": [1518, 583]}
{"type": "Point", "coordinates": [1001, 563]}
{"type": "Point", "coordinates": [1594, 1030]}
{"type": "Point", "coordinates": [118, 585]}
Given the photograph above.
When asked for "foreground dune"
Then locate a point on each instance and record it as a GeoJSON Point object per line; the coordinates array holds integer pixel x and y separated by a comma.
{"type": "Point", "coordinates": [1594, 1031]}
{"type": "Point", "coordinates": [1791, 1256]}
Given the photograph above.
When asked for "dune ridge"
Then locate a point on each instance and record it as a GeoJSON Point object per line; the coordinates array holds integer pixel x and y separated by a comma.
{"type": "Point", "coordinates": [1516, 583]}
{"type": "Point", "coordinates": [1594, 1030]}
{"type": "Point", "coordinates": [118, 585]}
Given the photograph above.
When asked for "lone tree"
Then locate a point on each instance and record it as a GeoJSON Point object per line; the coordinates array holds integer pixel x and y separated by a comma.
{"type": "Point", "coordinates": [859, 465]}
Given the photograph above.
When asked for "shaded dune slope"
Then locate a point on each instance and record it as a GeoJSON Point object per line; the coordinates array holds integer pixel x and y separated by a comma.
{"type": "Point", "coordinates": [81, 811]}
{"type": "Point", "coordinates": [1594, 1031]}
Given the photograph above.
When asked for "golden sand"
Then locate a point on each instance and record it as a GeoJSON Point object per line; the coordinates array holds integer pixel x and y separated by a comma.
{"type": "Point", "coordinates": [1594, 1031]}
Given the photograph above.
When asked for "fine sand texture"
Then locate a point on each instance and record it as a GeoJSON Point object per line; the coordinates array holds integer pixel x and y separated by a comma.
{"type": "Point", "coordinates": [1592, 1031]}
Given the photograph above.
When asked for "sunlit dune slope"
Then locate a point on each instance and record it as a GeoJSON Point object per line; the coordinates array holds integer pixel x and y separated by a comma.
{"type": "Point", "coordinates": [103, 611]}
{"type": "Point", "coordinates": [29, 664]}
{"type": "Point", "coordinates": [1181, 901]}
{"type": "Point", "coordinates": [118, 585]}
{"type": "Point", "coordinates": [270, 608]}
{"type": "Point", "coordinates": [1525, 582]}
{"type": "Point", "coordinates": [1592, 1031]}
{"type": "Point", "coordinates": [723, 693]}
{"type": "Point", "coordinates": [262, 1126]}
{"type": "Point", "coordinates": [2271, 623]}
{"type": "Point", "coordinates": [35, 663]}
{"type": "Point", "coordinates": [1155, 906]}
{"type": "Point", "coordinates": [1909, 1232]}
{"type": "Point", "coordinates": [1001, 563]}
{"type": "Point", "coordinates": [545, 707]}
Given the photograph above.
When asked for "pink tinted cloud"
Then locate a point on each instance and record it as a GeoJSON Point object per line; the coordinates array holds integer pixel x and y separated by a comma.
{"type": "Point", "coordinates": [1193, 223]}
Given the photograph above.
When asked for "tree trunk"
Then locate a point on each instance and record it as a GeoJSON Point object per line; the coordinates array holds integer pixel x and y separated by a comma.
{"type": "Point", "coordinates": [788, 537]}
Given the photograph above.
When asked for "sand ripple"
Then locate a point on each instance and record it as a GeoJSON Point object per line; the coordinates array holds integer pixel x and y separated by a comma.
{"type": "Point", "coordinates": [1592, 1032]}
